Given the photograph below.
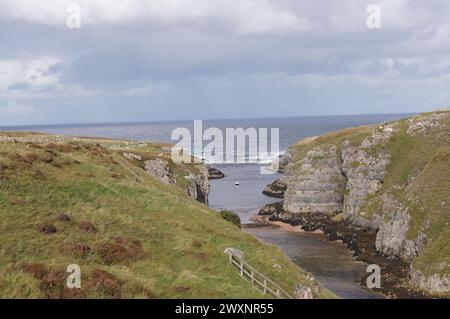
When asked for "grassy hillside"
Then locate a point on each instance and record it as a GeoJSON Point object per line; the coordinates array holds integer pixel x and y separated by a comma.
{"type": "Point", "coordinates": [131, 235]}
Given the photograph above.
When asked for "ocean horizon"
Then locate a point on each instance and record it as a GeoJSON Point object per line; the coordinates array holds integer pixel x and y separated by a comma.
{"type": "Point", "coordinates": [291, 130]}
{"type": "Point", "coordinates": [47, 125]}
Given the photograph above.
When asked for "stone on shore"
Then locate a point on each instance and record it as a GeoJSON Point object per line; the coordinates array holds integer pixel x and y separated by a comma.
{"type": "Point", "coordinates": [214, 173]}
{"type": "Point", "coordinates": [275, 189]}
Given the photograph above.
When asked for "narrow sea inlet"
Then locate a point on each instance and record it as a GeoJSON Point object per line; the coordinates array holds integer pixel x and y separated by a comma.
{"type": "Point", "coordinates": [330, 262]}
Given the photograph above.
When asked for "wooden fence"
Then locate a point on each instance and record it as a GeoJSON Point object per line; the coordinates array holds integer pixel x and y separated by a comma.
{"type": "Point", "coordinates": [258, 280]}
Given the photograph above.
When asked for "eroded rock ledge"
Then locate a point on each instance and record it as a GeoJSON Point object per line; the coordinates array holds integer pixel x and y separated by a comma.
{"type": "Point", "coordinates": [214, 173]}
{"type": "Point", "coordinates": [275, 189]}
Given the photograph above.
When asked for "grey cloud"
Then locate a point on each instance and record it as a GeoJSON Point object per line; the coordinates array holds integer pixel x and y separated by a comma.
{"type": "Point", "coordinates": [207, 61]}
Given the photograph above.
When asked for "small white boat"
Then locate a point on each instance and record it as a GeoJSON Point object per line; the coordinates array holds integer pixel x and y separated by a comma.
{"type": "Point", "coordinates": [236, 183]}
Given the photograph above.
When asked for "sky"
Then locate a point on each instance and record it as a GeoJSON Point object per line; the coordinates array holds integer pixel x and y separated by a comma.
{"type": "Point", "coordinates": [154, 60]}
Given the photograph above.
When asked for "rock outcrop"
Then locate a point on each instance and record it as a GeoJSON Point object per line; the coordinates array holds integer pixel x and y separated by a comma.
{"type": "Point", "coordinates": [430, 282]}
{"type": "Point", "coordinates": [160, 169]}
{"type": "Point", "coordinates": [279, 164]}
{"type": "Point", "coordinates": [392, 239]}
{"type": "Point", "coordinates": [214, 173]}
{"type": "Point", "coordinates": [364, 167]}
{"type": "Point", "coordinates": [283, 161]}
{"type": "Point", "coordinates": [316, 183]}
{"type": "Point", "coordinates": [199, 186]}
{"type": "Point", "coordinates": [196, 181]}
{"type": "Point", "coordinates": [271, 209]}
{"type": "Point", "coordinates": [301, 292]}
{"type": "Point", "coordinates": [275, 189]}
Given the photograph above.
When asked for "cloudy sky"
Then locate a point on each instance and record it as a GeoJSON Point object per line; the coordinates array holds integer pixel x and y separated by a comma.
{"type": "Point", "coordinates": [150, 60]}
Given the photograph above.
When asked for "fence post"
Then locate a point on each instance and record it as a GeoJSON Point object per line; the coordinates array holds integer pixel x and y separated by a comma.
{"type": "Point", "coordinates": [250, 273]}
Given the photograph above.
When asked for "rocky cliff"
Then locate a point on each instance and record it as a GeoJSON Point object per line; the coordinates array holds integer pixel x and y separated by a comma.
{"type": "Point", "coordinates": [392, 180]}
{"type": "Point", "coordinates": [317, 184]}
{"type": "Point", "coordinates": [199, 185]}
{"type": "Point", "coordinates": [193, 178]}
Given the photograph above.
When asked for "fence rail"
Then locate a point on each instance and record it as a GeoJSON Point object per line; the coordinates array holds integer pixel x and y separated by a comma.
{"type": "Point", "coordinates": [262, 283]}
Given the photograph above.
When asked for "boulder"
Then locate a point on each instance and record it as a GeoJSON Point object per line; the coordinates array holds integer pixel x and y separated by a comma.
{"type": "Point", "coordinates": [275, 189]}
{"type": "Point", "coordinates": [271, 209]}
{"type": "Point", "coordinates": [214, 173]}
{"type": "Point", "coordinates": [302, 292]}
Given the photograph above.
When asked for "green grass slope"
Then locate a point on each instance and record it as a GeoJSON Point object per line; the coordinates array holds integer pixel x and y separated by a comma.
{"type": "Point", "coordinates": [132, 236]}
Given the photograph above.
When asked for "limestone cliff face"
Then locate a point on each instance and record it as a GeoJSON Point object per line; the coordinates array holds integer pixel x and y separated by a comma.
{"type": "Point", "coordinates": [316, 183]}
{"type": "Point", "coordinates": [435, 283]}
{"type": "Point", "coordinates": [200, 185]}
{"type": "Point", "coordinates": [392, 239]}
{"type": "Point", "coordinates": [364, 167]}
{"type": "Point", "coordinates": [283, 161]}
{"type": "Point", "coordinates": [375, 179]}
{"type": "Point", "coordinates": [160, 169]}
